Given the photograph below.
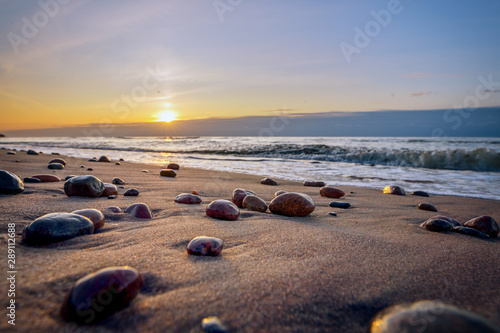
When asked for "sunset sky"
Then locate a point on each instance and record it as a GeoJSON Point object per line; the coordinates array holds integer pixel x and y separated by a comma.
{"type": "Point", "coordinates": [74, 62]}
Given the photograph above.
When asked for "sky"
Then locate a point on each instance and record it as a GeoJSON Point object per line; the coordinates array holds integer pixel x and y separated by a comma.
{"type": "Point", "coordinates": [67, 63]}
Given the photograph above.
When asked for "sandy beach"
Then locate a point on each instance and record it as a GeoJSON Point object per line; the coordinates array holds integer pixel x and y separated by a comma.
{"type": "Point", "coordinates": [319, 273]}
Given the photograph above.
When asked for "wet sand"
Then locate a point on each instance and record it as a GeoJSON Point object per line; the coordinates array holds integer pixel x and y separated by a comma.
{"type": "Point", "coordinates": [318, 273]}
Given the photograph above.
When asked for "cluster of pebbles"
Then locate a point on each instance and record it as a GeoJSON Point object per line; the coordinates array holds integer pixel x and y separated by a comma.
{"type": "Point", "coordinates": [113, 288]}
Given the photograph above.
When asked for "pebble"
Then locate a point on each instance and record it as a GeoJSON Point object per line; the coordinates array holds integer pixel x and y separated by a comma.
{"type": "Point", "coordinates": [17, 161]}
{"type": "Point", "coordinates": [57, 227]}
{"type": "Point", "coordinates": [93, 215]}
{"type": "Point", "coordinates": [223, 210]}
{"type": "Point", "coordinates": [31, 180]}
{"type": "Point", "coordinates": [173, 166]}
{"type": "Point", "coordinates": [109, 189]}
{"type": "Point", "coordinates": [58, 160]}
{"type": "Point", "coordinates": [112, 197]}
{"type": "Point", "coordinates": [313, 183]}
{"type": "Point", "coordinates": [268, 181]}
{"type": "Point", "coordinates": [11, 153]}
{"type": "Point", "coordinates": [139, 210]}
{"type": "Point", "coordinates": [104, 159]}
{"type": "Point", "coordinates": [55, 154]}
{"type": "Point", "coordinates": [132, 192]}
{"type": "Point", "coordinates": [430, 317]}
{"type": "Point", "coordinates": [10, 183]}
{"type": "Point", "coordinates": [394, 190]}
{"type": "Point", "coordinates": [69, 177]}
{"type": "Point", "coordinates": [108, 290]}
{"type": "Point", "coordinates": [118, 163]}
{"type": "Point", "coordinates": [90, 169]}
{"type": "Point", "coordinates": [84, 186]}
{"type": "Point", "coordinates": [292, 204]}
{"type": "Point", "coordinates": [118, 181]}
{"type": "Point", "coordinates": [485, 224]}
{"type": "Point", "coordinates": [114, 209]}
{"type": "Point", "coordinates": [338, 204]}
{"type": "Point", "coordinates": [168, 173]}
{"type": "Point", "coordinates": [56, 166]}
{"type": "Point", "coordinates": [205, 246]}
{"type": "Point", "coordinates": [238, 195]}
{"type": "Point", "coordinates": [331, 192]}
{"type": "Point", "coordinates": [194, 192]}
{"type": "Point", "coordinates": [453, 222]}
{"type": "Point", "coordinates": [82, 166]}
{"type": "Point", "coordinates": [31, 152]}
{"type": "Point", "coordinates": [437, 225]}
{"type": "Point", "coordinates": [280, 192]}
{"type": "Point", "coordinates": [254, 203]}
{"type": "Point", "coordinates": [332, 213]}
{"type": "Point", "coordinates": [420, 194]}
{"type": "Point", "coordinates": [93, 159]}
{"type": "Point", "coordinates": [471, 232]}
{"type": "Point", "coordinates": [213, 325]}
{"type": "Point", "coordinates": [427, 206]}
{"type": "Point", "coordinates": [47, 178]}
{"type": "Point", "coordinates": [145, 171]}
{"type": "Point", "coordinates": [187, 198]}
{"type": "Point", "coordinates": [121, 160]}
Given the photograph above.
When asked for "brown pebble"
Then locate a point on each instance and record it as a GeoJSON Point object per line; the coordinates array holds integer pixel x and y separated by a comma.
{"type": "Point", "coordinates": [168, 173]}
{"type": "Point", "coordinates": [280, 192]}
{"type": "Point", "coordinates": [268, 181]}
{"type": "Point", "coordinates": [437, 225]}
{"type": "Point", "coordinates": [114, 209]}
{"type": "Point", "coordinates": [205, 246]}
{"type": "Point", "coordinates": [238, 195]}
{"type": "Point", "coordinates": [427, 206]}
{"type": "Point", "coordinates": [47, 178]}
{"type": "Point", "coordinates": [173, 166]}
{"type": "Point", "coordinates": [394, 190]}
{"type": "Point", "coordinates": [187, 198]}
{"type": "Point", "coordinates": [292, 204]}
{"type": "Point", "coordinates": [90, 169]}
{"type": "Point", "coordinates": [331, 192]}
{"type": "Point", "coordinates": [313, 183]}
{"type": "Point", "coordinates": [109, 189]}
{"type": "Point", "coordinates": [254, 203]}
{"type": "Point", "coordinates": [139, 210]}
{"type": "Point", "coordinates": [485, 224]}
{"type": "Point", "coordinates": [194, 192]}
{"type": "Point", "coordinates": [223, 210]}
{"type": "Point", "coordinates": [93, 215]}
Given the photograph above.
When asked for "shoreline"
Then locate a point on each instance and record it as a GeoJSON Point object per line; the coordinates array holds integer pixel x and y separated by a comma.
{"type": "Point", "coordinates": [274, 274]}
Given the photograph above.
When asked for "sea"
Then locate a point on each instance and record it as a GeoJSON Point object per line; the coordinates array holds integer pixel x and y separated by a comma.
{"type": "Point", "coordinates": [438, 165]}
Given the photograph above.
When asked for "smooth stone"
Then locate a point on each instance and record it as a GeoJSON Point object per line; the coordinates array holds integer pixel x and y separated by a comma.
{"type": "Point", "coordinates": [254, 203]}
{"type": "Point", "coordinates": [104, 159]}
{"type": "Point", "coordinates": [187, 198]}
{"type": "Point", "coordinates": [173, 166]}
{"type": "Point", "coordinates": [118, 181]}
{"type": "Point", "coordinates": [420, 194]}
{"type": "Point", "coordinates": [55, 166]}
{"type": "Point", "coordinates": [121, 160]}
{"type": "Point", "coordinates": [238, 195]}
{"type": "Point", "coordinates": [213, 325]}
{"type": "Point", "coordinates": [55, 154]}
{"type": "Point", "coordinates": [470, 232]}
{"type": "Point", "coordinates": [453, 222]}
{"type": "Point", "coordinates": [47, 178]}
{"type": "Point", "coordinates": [100, 294]}
{"type": "Point", "coordinates": [394, 190]}
{"type": "Point", "coordinates": [139, 210]}
{"type": "Point", "coordinates": [84, 186]}
{"type": "Point", "coordinates": [31, 180]}
{"type": "Point", "coordinates": [205, 246]}
{"type": "Point", "coordinates": [31, 152]}
{"type": "Point", "coordinates": [69, 177]}
{"type": "Point", "coordinates": [331, 192]}
{"type": "Point", "coordinates": [17, 161]}
{"type": "Point", "coordinates": [145, 171]}
{"type": "Point", "coordinates": [332, 213]}
{"type": "Point", "coordinates": [436, 225]}
{"type": "Point", "coordinates": [82, 166]}
{"type": "Point", "coordinates": [118, 163]}
{"type": "Point", "coordinates": [313, 183]}
{"type": "Point", "coordinates": [280, 192]}
{"type": "Point", "coordinates": [429, 317]}
{"type": "Point", "coordinates": [268, 181]}
{"type": "Point", "coordinates": [57, 227]}
{"type": "Point", "coordinates": [122, 187]}
{"type": "Point", "coordinates": [292, 204]}
{"type": "Point", "coordinates": [485, 224]}
{"type": "Point", "coordinates": [58, 160]}
{"type": "Point", "coordinates": [338, 204]}
{"type": "Point", "coordinates": [112, 197]}
{"type": "Point", "coordinates": [93, 159]}
{"type": "Point", "coordinates": [10, 183]}
{"type": "Point", "coordinates": [114, 209]}
{"type": "Point", "coordinates": [194, 192]}
{"type": "Point", "coordinates": [90, 169]}
{"type": "Point", "coordinates": [131, 192]}
{"type": "Point", "coordinates": [109, 189]}
{"type": "Point", "coordinates": [427, 206]}
{"type": "Point", "coordinates": [93, 215]}
{"type": "Point", "coordinates": [223, 210]}
{"type": "Point", "coordinates": [168, 173]}
{"type": "Point", "coordinates": [11, 153]}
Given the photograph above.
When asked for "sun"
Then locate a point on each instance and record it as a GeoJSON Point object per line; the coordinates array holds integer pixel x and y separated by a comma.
{"type": "Point", "coordinates": [166, 116]}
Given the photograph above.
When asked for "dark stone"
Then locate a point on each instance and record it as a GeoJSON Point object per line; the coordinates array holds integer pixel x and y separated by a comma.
{"type": "Point", "coordinates": [93, 215]}
{"type": "Point", "coordinates": [485, 224]}
{"type": "Point", "coordinates": [453, 222]}
{"type": "Point", "coordinates": [118, 181]}
{"type": "Point", "coordinates": [238, 195]}
{"type": "Point", "coordinates": [118, 163]}
{"type": "Point", "coordinates": [394, 190]}
{"type": "Point", "coordinates": [114, 209]}
{"type": "Point", "coordinates": [104, 159]}
{"type": "Point", "coordinates": [187, 198]}
{"type": "Point", "coordinates": [337, 204]}
{"type": "Point", "coordinates": [84, 186]}
{"type": "Point", "coordinates": [82, 166]}
{"type": "Point", "coordinates": [139, 210]}
{"type": "Point", "coordinates": [121, 160]}
{"type": "Point", "coordinates": [145, 171]}
{"type": "Point", "coordinates": [331, 192]}
{"type": "Point", "coordinates": [56, 166]}
{"type": "Point", "coordinates": [292, 204]}
{"type": "Point", "coordinates": [31, 180]}
{"type": "Point", "coordinates": [223, 210]}
{"type": "Point", "coordinates": [205, 246]}
{"type": "Point", "coordinates": [254, 203]}
{"type": "Point", "coordinates": [332, 213]}
{"type": "Point", "coordinates": [69, 177]}
{"type": "Point", "coordinates": [268, 181]}
{"type": "Point", "coordinates": [213, 325]}
{"type": "Point", "coordinates": [420, 193]}
{"type": "Point", "coordinates": [108, 290]}
{"type": "Point", "coordinates": [280, 192]}
{"type": "Point", "coordinates": [173, 166]}
{"type": "Point", "coordinates": [93, 159]}
{"type": "Point", "coordinates": [90, 169]}
{"type": "Point", "coordinates": [132, 192]}
{"type": "Point", "coordinates": [47, 178]}
{"type": "Point", "coordinates": [11, 153]}
{"type": "Point", "coordinates": [58, 160]}
{"type": "Point", "coordinates": [31, 152]}
{"type": "Point", "coordinates": [427, 206]}
{"type": "Point", "coordinates": [470, 232]}
{"type": "Point", "coordinates": [168, 173]}
{"type": "Point", "coordinates": [109, 189]}
{"type": "Point", "coordinates": [437, 225]}
{"type": "Point", "coordinates": [57, 154]}
{"type": "Point", "coordinates": [57, 227]}
{"type": "Point", "coordinates": [10, 183]}
{"type": "Point", "coordinates": [313, 183]}
{"type": "Point", "coordinates": [112, 197]}
{"type": "Point", "coordinates": [429, 317]}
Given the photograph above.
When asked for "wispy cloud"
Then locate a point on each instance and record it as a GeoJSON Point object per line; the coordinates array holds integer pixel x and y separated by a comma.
{"type": "Point", "coordinates": [421, 93]}
{"type": "Point", "coordinates": [418, 75]}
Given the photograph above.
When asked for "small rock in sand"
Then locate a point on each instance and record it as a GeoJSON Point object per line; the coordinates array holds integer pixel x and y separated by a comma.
{"type": "Point", "coordinates": [331, 192]}
{"type": "Point", "coordinates": [104, 159]}
{"type": "Point", "coordinates": [139, 210]}
{"type": "Point", "coordinates": [132, 192]}
{"type": "Point", "coordinates": [10, 183]}
{"type": "Point", "coordinates": [69, 177]}
{"type": "Point", "coordinates": [338, 204]}
{"type": "Point", "coordinates": [118, 163]}
{"type": "Point", "coordinates": [145, 171]}
{"type": "Point", "coordinates": [56, 166]}
{"type": "Point", "coordinates": [82, 166]}
{"type": "Point", "coordinates": [31, 152]}
{"type": "Point", "coordinates": [93, 159]}
{"type": "Point", "coordinates": [213, 325]}
{"type": "Point", "coordinates": [394, 190]}
{"type": "Point", "coordinates": [187, 198]}
{"type": "Point", "coordinates": [470, 232]}
{"type": "Point", "coordinates": [109, 189]}
{"type": "Point", "coordinates": [58, 160]}
{"type": "Point", "coordinates": [173, 166]}
{"type": "Point", "coordinates": [118, 181]}
{"type": "Point", "coordinates": [93, 215]}
{"type": "Point", "coordinates": [168, 173]}
{"type": "Point", "coordinates": [313, 183]}
{"type": "Point", "coordinates": [420, 193]}
{"type": "Point", "coordinates": [114, 209]}
{"type": "Point", "coordinates": [332, 213]}
{"type": "Point", "coordinates": [84, 186]}
{"type": "Point", "coordinates": [121, 160]}
{"type": "Point", "coordinates": [57, 227]}
{"type": "Point", "coordinates": [90, 169]}
{"type": "Point", "coordinates": [238, 195]}
{"type": "Point", "coordinates": [223, 210]}
{"type": "Point", "coordinates": [485, 224]}
{"type": "Point", "coordinates": [11, 153]}
{"type": "Point", "coordinates": [254, 203]}
{"type": "Point", "coordinates": [268, 181]}
{"type": "Point", "coordinates": [112, 197]}
{"type": "Point", "coordinates": [205, 246]}
{"type": "Point", "coordinates": [280, 192]}
{"type": "Point", "coordinates": [453, 222]}
{"type": "Point", "coordinates": [292, 204]}
{"type": "Point", "coordinates": [47, 178]}
{"type": "Point", "coordinates": [31, 180]}
{"type": "Point", "coordinates": [427, 206]}
{"type": "Point", "coordinates": [194, 192]}
{"type": "Point", "coordinates": [437, 225]}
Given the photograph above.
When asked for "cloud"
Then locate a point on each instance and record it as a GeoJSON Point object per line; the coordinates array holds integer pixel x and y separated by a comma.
{"type": "Point", "coordinates": [421, 93]}
{"type": "Point", "coordinates": [417, 75]}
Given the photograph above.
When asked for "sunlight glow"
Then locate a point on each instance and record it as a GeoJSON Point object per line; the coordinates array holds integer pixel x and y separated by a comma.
{"type": "Point", "coordinates": [166, 116]}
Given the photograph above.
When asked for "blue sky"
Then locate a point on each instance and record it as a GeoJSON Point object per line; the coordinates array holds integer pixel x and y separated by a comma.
{"type": "Point", "coordinates": [262, 56]}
